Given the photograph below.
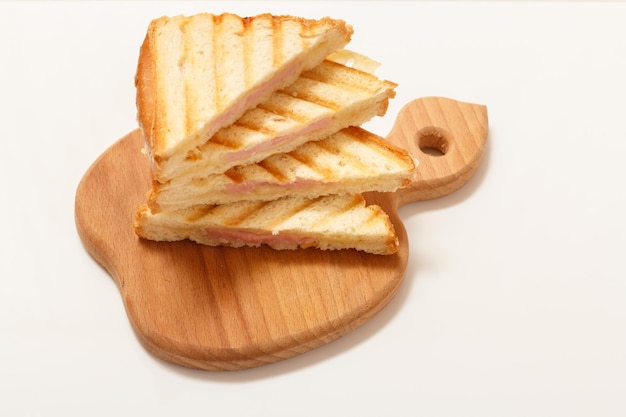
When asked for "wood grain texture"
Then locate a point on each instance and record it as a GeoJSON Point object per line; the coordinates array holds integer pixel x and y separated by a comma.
{"type": "Point", "coordinates": [229, 309]}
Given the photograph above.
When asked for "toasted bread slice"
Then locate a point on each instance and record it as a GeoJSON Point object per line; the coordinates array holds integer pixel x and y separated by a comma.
{"type": "Point", "coordinates": [320, 102]}
{"type": "Point", "coordinates": [327, 223]}
{"type": "Point", "coordinates": [197, 74]}
{"type": "Point", "coordinates": [348, 162]}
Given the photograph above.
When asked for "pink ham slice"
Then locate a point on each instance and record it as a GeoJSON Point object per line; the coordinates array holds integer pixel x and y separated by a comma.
{"type": "Point", "coordinates": [247, 237]}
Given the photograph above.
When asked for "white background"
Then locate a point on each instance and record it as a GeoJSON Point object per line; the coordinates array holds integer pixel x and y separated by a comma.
{"type": "Point", "coordinates": [514, 299]}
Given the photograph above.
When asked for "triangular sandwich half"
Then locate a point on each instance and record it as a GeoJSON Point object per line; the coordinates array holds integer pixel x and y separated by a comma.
{"type": "Point", "coordinates": [197, 74]}
{"type": "Point", "coordinates": [327, 223]}
{"type": "Point", "coordinates": [351, 161]}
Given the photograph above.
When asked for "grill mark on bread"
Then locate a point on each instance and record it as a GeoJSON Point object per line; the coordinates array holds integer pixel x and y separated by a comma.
{"type": "Point", "coordinates": [198, 212]}
{"type": "Point", "coordinates": [349, 203]}
{"type": "Point", "coordinates": [319, 99]}
{"type": "Point", "coordinates": [231, 72]}
{"type": "Point", "coordinates": [247, 40]}
{"type": "Point", "coordinates": [198, 69]}
{"type": "Point", "coordinates": [219, 140]}
{"type": "Point", "coordinates": [252, 123]}
{"type": "Point", "coordinates": [287, 111]}
{"type": "Point", "coordinates": [231, 216]}
{"type": "Point", "coordinates": [215, 56]}
{"type": "Point", "coordinates": [183, 64]}
{"type": "Point", "coordinates": [289, 211]}
{"type": "Point", "coordinates": [235, 175]}
{"type": "Point", "coordinates": [347, 78]}
{"type": "Point", "coordinates": [273, 170]}
{"type": "Point", "coordinates": [222, 140]}
{"type": "Point", "coordinates": [355, 201]}
{"type": "Point", "coordinates": [382, 146]}
{"type": "Point", "coordinates": [330, 146]}
{"type": "Point", "coordinates": [362, 135]}
{"type": "Point", "coordinates": [237, 218]}
{"type": "Point", "coordinates": [277, 41]}
{"type": "Point", "coordinates": [375, 212]}
{"type": "Point", "coordinates": [304, 157]}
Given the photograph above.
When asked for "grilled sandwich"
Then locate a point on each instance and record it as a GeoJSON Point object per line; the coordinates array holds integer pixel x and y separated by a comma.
{"type": "Point", "coordinates": [327, 223]}
{"type": "Point", "coordinates": [249, 124]}
{"type": "Point", "coordinates": [197, 74]}
{"type": "Point", "coordinates": [349, 162]}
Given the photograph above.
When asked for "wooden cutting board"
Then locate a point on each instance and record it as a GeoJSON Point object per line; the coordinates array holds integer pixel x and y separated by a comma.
{"type": "Point", "coordinates": [230, 309]}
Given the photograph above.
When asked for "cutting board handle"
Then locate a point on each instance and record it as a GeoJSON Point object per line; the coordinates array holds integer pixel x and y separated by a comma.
{"type": "Point", "coordinates": [447, 138]}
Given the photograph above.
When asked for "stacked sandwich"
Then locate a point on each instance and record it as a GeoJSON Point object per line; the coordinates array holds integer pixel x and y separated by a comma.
{"type": "Point", "coordinates": [252, 128]}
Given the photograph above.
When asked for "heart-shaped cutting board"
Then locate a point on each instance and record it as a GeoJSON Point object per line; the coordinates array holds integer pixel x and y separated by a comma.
{"type": "Point", "coordinates": [229, 309]}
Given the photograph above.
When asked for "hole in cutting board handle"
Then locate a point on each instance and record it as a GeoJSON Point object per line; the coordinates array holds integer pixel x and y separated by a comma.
{"type": "Point", "coordinates": [433, 141]}
{"type": "Point", "coordinates": [446, 137]}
